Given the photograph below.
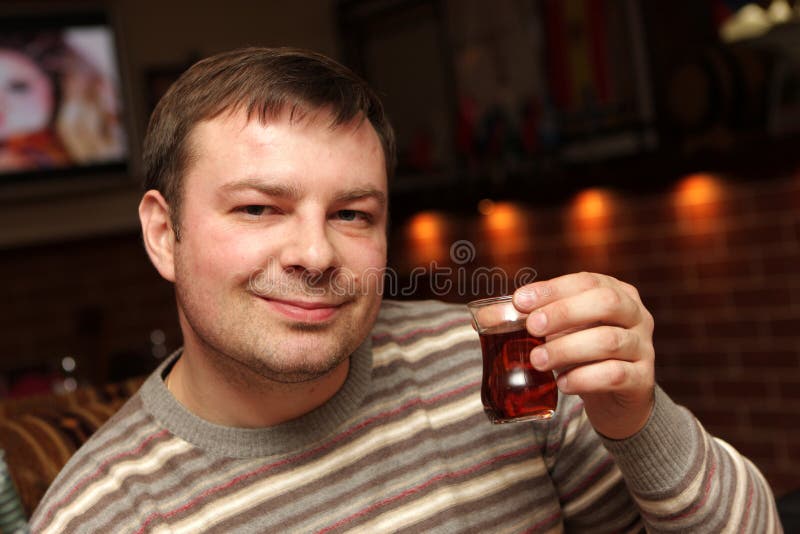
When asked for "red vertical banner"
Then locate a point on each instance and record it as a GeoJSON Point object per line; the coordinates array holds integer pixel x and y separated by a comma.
{"type": "Point", "coordinates": [578, 52]}
{"type": "Point", "coordinates": [598, 40]}
{"type": "Point", "coordinates": [557, 47]}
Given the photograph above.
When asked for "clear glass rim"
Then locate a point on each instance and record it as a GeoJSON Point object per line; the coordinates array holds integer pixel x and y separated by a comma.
{"type": "Point", "coordinates": [491, 300]}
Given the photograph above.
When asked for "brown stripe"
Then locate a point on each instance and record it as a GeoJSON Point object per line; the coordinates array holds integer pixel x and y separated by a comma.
{"type": "Point", "coordinates": [189, 484]}
{"type": "Point", "coordinates": [341, 440]}
{"type": "Point", "coordinates": [414, 335]}
{"type": "Point", "coordinates": [530, 507]}
{"type": "Point", "coordinates": [124, 418]}
{"type": "Point", "coordinates": [385, 477]}
{"type": "Point", "coordinates": [96, 470]}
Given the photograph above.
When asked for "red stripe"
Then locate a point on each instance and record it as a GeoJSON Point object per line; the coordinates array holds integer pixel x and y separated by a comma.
{"type": "Point", "coordinates": [442, 476]}
{"type": "Point", "coordinates": [412, 333]}
{"type": "Point", "coordinates": [567, 420]}
{"type": "Point", "coordinates": [547, 521]}
{"type": "Point", "coordinates": [102, 467]}
{"type": "Point", "coordinates": [589, 480]}
{"type": "Point", "coordinates": [748, 506]}
{"type": "Point", "coordinates": [261, 470]}
{"type": "Point", "coordinates": [706, 491]}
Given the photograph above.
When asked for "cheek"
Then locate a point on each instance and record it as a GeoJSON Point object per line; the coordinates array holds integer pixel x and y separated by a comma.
{"type": "Point", "coordinates": [222, 261]}
{"type": "Point", "coordinates": [364, 254]}
{"type": "Point", "coordinates": [366, 263]}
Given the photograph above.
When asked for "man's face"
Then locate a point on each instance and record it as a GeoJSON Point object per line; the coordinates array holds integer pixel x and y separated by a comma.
{"type": "Point", "coordinates": [283, 242]}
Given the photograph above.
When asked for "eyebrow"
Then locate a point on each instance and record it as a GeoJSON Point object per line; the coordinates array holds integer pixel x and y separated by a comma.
{"type": "Point", "coordinates": [272, 189]}
{"type": "Point", "coordinates": [362, 193]}
{"type": "Point", "coordinates": [292, 192]}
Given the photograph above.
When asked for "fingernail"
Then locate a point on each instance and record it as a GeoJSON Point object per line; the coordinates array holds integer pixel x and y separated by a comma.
{"type": "Point", "coordinates": [539, 357]}
{"type": "Point", "coordinates": [538, 321]}
{"type": "Point", "coordinates": [525, 298]}
{"type": "Point", "coordinates": [561, 381]}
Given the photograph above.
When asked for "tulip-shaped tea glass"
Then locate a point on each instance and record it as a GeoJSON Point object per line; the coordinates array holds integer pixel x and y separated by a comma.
{"type": "Point", "coordinates": [512, 389]}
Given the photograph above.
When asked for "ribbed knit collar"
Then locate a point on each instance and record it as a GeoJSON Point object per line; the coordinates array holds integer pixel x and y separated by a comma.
{"type": "Point", "coordinates": [292, 435]}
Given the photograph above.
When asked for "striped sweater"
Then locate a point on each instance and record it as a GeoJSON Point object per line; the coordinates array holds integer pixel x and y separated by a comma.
{"type": "Point", "coordinates": [403, 446]}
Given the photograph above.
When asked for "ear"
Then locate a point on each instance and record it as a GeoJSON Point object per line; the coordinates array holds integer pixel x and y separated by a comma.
{"type": "Point", "coordinates": [157, 232]}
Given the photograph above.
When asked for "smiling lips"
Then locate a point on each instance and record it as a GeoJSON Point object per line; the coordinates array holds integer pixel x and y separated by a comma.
{"type": "Point", "coordinates": [304, 311]}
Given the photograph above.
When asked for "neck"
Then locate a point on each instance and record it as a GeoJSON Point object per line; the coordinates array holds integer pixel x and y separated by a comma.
{"type": "Point", "coordinates": [239, 398]}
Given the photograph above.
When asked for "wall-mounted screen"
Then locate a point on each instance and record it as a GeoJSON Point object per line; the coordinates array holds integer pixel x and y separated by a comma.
{"type": "Point", "coordinates": [61, 104]}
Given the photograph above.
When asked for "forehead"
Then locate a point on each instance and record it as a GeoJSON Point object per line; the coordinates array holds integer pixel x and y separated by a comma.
{"type": "Point", "coordinates": [306, 147]}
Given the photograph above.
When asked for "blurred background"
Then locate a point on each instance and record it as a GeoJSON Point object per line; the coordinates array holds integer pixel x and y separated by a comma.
{"type": "Point", "coordinates": [655, 141]}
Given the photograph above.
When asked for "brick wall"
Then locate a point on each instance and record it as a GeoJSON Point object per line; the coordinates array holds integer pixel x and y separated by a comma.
{"type": "Point", "coordinates": [716, 262]}
{"type": "Point", "coordinates": [97, 301]}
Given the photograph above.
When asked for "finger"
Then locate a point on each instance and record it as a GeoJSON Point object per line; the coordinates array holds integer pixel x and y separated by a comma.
{"type": "Point", "coordinates": [604, 305]}
{"type": "Point", "coordinates": [607, 376]}
{"type": "Point", "coordinates": [568, 331]}
{"type": "Point", "coordinates": [531, 296]}
{"type": "Point", "coordinates": [587, 346]}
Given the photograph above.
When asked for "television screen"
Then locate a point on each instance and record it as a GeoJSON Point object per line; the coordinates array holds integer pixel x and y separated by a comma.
{"type": "Point", "coordinates": [61, 105]}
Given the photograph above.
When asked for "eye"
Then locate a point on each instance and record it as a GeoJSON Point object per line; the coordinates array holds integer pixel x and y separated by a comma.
{"type": "Point", "coordinates": [255, 210]}
{"type": "Point", "coordinates": [353, 215]}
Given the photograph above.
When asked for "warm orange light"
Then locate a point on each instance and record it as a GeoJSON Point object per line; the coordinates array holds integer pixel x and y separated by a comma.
{"type": "Point", "coordinates": [589, 220]}
{"type": "Point", "coordinates": [505, 217]}
{"type": "Point", "coordinates": [426, 226]}
{"type": "Point", "coordinates": [427, 232]}
{"type": "Point", "coordinates": [506, 227]}
{"type": "Point", "coordinates": [592, 204]}
{"type": "Point", "coordinates": [698, 200]}
{"type": "Point", "coordinates": [698, 189]}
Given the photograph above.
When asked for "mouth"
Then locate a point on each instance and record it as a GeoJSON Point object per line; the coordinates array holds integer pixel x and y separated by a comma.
{"type": "Point", "coordinates": [305, 311]}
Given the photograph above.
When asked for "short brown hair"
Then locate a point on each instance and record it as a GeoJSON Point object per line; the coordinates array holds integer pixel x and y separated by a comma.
{"type": "Point", "coordinates": [263, 82]}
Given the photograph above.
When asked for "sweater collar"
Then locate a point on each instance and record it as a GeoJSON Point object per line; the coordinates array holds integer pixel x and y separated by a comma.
{"type": "Point", "coordinates": [247, 442]}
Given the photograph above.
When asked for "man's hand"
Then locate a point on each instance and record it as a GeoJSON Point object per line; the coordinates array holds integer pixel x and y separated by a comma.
{"type": "Point", "coordinates": [599, 340]}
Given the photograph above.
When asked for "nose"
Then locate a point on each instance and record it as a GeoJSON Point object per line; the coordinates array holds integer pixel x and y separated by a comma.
{"type": "Point", "coordinates": [308, 248]}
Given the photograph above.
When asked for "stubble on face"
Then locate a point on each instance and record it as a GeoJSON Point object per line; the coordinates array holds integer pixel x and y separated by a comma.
{"type": "Point", "coordinates": [240, 335]}
{"type": "Point", "coordinates": [249, 349]}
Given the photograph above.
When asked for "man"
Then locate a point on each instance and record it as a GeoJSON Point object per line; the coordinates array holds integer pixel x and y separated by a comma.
{"type": "Point", "coordinates": [297, 406]}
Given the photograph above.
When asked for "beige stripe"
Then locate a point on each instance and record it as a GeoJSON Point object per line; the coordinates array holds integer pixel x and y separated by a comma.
{"type": "Point", "coordinates": [572, 430]}
{"type": "Point", "coordinates": [415, 478]}
{"type": "Point", "coordinates": [458, 411]}
{"type": "Point", "coordinates": [389, 403]}
{"type": "Point", "coordinates": [98, 453]}
{"type": "Point", "coordinates": [386, 399]}
{"type": "Point", "coordinates": [378, 438]}
{"type": "Point", "coordinates": [387, 325]}
{"type": "Point", "coordinates": [684, 499]}
{"type": "Point", "coordinates": [762, 486]}
{"type": "Point", "coordinates": [738, 506]}
{"type": "Point", "coordinates": [459, 494]}
{"type": "Point", "coordinates": [413, 311]}
{"type": "Point", "coordinates": [594, 492]}
{"type": "Point", "coordinates": [423, 347]}
{"type": "Point", "coordinates": [451, 413]}
{"type": "Point", "coordinates": [116, 476]}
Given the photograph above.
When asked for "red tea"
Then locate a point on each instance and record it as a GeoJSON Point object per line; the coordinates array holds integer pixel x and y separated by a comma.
{"type": "Point", "coordinates": [512, 388]}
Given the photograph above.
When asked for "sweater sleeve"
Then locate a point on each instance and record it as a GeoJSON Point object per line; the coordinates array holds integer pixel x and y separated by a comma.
{"type": "Point", "coordinates": [591, 490]}
{"type": "Point", "coordinates": [685, 480]}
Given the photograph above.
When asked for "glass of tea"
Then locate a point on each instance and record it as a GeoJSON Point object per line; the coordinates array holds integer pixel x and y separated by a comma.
{"type": "Point", "coordinates": [512, 389]}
